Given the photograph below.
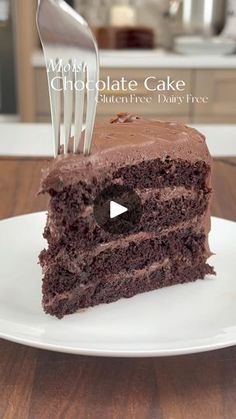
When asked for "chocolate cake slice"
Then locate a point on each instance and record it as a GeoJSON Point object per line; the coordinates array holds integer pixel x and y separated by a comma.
{"type": "Point", "coordinates": [168, 166]}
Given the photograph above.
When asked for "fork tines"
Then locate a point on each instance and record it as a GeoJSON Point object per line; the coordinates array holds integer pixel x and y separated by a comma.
{"type": "Point", "coordinates": [71, 55]}
{"type": "Point", "coordinates": [67, 83]}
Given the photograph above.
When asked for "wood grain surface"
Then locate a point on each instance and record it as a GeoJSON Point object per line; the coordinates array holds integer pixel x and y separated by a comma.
{"type": "Point", "coordinates": [37, 384]}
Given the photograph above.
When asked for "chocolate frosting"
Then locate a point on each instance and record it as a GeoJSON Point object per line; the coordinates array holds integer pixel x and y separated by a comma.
{"type": "Point", "coordinates": [125, 140]}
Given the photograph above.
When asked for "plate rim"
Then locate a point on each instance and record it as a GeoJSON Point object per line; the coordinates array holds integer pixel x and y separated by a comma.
{"type": "Point", "coordinates": [118, 353]}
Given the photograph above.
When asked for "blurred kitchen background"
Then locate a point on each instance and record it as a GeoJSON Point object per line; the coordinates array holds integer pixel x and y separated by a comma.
{"type": "Point", "coordinates": [193, 40]}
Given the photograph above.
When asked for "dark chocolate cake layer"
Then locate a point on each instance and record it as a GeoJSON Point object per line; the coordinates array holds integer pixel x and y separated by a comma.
{"type": "Point", "coordinates": [81, 227]}
{"type": "Point", "coordinates": [128, 255]}
{"type": "Point", "coordinates": [169, 167]}
{"type": "Point", "coordinates": [161, 174]}
{"type": "Point", "coordinates": [125, 286]}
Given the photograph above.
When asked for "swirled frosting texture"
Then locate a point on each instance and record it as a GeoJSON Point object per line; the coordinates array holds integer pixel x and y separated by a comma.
{"type": "Point", "coordinates": [126, 140]}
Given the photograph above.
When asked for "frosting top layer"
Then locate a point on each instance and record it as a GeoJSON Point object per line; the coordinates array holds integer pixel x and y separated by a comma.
{"type": "Point", "coordinates": [127, 140]}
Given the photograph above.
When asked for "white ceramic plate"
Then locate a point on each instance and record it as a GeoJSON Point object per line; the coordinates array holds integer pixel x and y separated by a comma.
{"type": "Point", "coordinates": [181, 319]}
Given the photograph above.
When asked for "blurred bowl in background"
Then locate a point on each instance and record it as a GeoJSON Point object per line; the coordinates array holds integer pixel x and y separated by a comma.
{"type": "Point", "coordinates": [196, 45]}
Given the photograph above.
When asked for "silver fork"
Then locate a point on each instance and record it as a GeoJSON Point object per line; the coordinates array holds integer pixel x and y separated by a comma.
{"type": "Point", "coordinates": [71, 56]}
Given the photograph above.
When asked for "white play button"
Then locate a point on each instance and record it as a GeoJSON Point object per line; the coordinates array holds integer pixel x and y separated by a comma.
{"type": "Point", "coordinates": [116, 209]}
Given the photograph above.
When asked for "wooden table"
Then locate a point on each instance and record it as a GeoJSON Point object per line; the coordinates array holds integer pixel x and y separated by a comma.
{"type": "Point", "coordinates": [40, 384]}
